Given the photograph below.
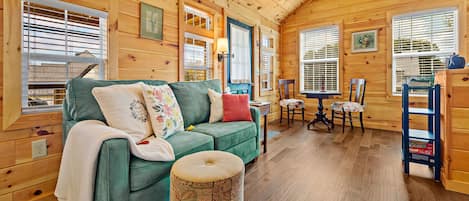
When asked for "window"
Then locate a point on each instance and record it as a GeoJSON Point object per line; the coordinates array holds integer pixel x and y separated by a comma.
{"type": "Point", "coordinates": [319, 59]}
{"type": "Point", "coordinates": [421, 44]}
{"type": "Point", "coordinates": [267, 66]}
{"type": "Point", "coordinates": [267, 62]}
{"type": "Point", "coordinates": [197, 57]}
{"type": "Point", "coordinates": [240, 49]}
{"type": "Point", "coordinates": [267, 42]}
{"type": "Point", "coordinates": [60, 41]}
{"type": "Point", "coordinates": [197, 18]}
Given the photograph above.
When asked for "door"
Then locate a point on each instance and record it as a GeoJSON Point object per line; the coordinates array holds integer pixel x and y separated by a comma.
{"type": "Point", "coordinates": [240, 61]}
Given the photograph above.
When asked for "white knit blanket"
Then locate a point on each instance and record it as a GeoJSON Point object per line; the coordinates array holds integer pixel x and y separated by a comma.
{"type": "Point", "coordinates": [80, 155]}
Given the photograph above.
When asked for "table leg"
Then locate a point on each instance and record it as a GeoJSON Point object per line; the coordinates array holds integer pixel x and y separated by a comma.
{"type": "Point", "coordinates": [265, 134]}
{"type": "Point", "coordinates": [320, 116]}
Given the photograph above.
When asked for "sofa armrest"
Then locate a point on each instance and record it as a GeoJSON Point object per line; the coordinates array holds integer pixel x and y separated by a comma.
{"type": "Point", "coordinates": [256, 117]}
{"type": "Point", "coordinates": [112, 172]}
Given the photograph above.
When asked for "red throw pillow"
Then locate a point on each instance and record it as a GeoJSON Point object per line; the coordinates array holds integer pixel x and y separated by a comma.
{"type": "Point", "coordinates": [236, 108]}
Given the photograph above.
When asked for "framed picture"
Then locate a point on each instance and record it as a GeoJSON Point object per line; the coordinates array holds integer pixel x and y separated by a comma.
{"type": "Point", "coordinates": [365, 41]}
{"type": "Point", "coordinates": [151, 22]}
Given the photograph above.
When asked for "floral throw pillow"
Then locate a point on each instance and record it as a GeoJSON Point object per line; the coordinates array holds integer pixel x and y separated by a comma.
{"type": "Point", "coordinates": [164, 111]}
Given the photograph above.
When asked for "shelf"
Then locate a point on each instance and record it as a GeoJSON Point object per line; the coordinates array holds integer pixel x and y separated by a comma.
{"type": "Point", "coordinates": [409, 135]}
{"type": "Point", "coordinates": [427, 155]}
{"type": "Point", "coordinates": [422, 111]}
{"type": "Point", "coordinates": [421, 134]}
{"type": "Point", "coordinates": [422, 161]}
{"type": "Point", "coordinates": [420, 87]}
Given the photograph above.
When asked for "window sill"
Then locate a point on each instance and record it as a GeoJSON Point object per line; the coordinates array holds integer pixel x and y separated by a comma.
{"type": "Point", "coordinates": [26, 111]}
{"type": "Point", "coordinates": [26, 121]}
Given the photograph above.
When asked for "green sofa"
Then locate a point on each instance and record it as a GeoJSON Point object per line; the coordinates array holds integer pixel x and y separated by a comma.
{"type": "Point", "coordinates": [121, 176]}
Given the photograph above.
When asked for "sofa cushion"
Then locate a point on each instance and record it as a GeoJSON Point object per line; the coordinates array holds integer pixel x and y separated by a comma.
{"type": "Point", "coordinates": [81, 104]}
{"type": "Point", "coordinates": [216, 106]}
{"type": "Point", "coordinates": [144, 173]}
{"type": "Point", "coordinates": [124, 108]}
{"type": "Point", "coordinates": [228, 134]}
{"type": "Point", "coordinates": [193, 100]}
{"type": "Point", "coordinates": [247, 150]}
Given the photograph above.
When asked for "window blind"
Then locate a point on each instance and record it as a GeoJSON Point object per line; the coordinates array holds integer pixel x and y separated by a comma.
{"type": "Point", "coordinates": [60, 41]}
{"type": "Point", "coordinates": [197, 57]}
{"type": "Point", "coordinates": [421, 44]}
{"type": "Point", "coordinates": [267, 64]}
{"type": "Point", "coordinates": [319, 59]}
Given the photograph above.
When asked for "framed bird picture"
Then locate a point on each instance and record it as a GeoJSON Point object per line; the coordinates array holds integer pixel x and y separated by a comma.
{"type": "Point", "coordinates": [365, 41]}
{"type": "Point", "coordinates": [151, 22]}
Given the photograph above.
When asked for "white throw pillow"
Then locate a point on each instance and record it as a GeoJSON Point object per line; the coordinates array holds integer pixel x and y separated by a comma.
{"type": "Point", "coordinates": [216, 106]}
{"type": "Point", "coordinates": [163, 108]}
{"type": "Point", "coordinates": [124, 108]}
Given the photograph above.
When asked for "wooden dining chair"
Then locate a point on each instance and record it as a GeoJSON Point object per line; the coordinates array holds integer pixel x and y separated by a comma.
{"type": "Point", "coordinates": [355, 104]}
{"type": "Point", "coordinates": [291, 104]}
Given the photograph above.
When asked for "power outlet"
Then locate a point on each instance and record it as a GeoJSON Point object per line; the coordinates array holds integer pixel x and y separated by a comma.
{"type": "Point", "coordinates": [39, 148]}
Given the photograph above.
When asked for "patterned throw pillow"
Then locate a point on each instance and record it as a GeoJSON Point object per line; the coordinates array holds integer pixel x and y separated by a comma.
{"type": "Point", "coordinates": [165, 114]}
{"type": "Point", "coordinates": [124, 108]}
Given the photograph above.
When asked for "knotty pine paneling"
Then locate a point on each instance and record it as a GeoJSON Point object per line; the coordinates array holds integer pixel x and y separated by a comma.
{"type": "Point", "coordinates": [18, 171]}
{"type": "Point", "coordinates": [130, 57]}
{"type": "Point", "coordinates": [382, 109]}
{"type": "Point", "coordinates": [39, 192]}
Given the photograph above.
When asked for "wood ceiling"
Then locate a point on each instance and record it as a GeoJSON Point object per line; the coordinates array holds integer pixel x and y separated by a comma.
{"type": "Point", "coordinates": [275, 10]}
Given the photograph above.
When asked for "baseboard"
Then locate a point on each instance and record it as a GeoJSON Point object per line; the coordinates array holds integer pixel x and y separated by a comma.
{"type": "Point", "coordinates": [455, 185]}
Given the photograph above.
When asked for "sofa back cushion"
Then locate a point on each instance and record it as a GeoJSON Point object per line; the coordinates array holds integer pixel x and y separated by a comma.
{"type": "Point", "coordinates": [81, 104]}
{"type": "Point", "coordinates": [194, 101]}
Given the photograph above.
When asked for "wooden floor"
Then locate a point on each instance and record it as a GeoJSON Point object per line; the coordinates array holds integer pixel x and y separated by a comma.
{"type": "Point", "coordinates": [304, 165]}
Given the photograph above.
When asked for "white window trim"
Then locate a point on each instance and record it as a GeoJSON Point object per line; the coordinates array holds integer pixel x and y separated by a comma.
{"type": "Point", "coordinates": [431, 53]}
{"type": "Point", "coordinates": [302, 62]}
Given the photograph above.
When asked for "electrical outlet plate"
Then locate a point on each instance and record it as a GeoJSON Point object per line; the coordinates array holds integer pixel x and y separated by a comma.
{"type": "Point", "coordinates": [39, 148]}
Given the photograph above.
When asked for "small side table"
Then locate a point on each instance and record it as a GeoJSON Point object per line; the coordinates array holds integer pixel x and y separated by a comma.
{"type": "Point", "coordinates": [320, 114]}
{"type": "Point", "coordinates": [264, 108]}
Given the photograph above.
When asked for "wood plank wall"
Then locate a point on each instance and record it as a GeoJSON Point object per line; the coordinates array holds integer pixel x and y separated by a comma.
{"type": "Point", "coordinates": [130, 57]}
{"type": "Point", "coordinates": [382, 109]}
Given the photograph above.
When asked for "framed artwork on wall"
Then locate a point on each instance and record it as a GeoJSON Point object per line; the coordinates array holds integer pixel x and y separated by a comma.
{"type": "Point", "coordinates": [151, 22]}
{"type": "Point", "coordinates": [365, 41]}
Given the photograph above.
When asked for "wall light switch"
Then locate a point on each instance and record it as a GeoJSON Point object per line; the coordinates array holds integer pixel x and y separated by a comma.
{"type": "Point", "coordinates": [39, 148]}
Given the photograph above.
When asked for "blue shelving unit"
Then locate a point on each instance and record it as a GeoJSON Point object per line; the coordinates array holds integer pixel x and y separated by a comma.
{"type": "Point", "coordinates": [432, 134]}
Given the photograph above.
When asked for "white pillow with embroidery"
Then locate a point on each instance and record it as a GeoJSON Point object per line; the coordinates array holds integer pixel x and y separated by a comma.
{"type": "Point", "coordinates": [163, 108]}
{"type": "Point", "coordinates": [124, 108]}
